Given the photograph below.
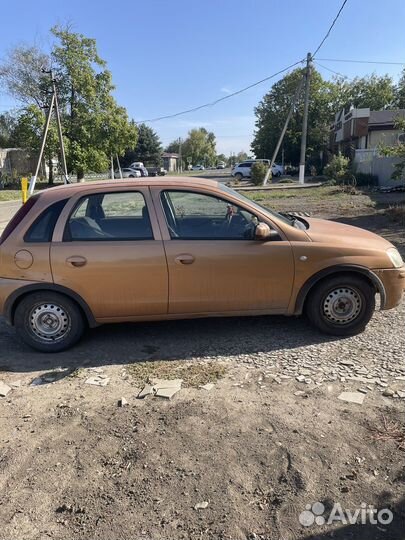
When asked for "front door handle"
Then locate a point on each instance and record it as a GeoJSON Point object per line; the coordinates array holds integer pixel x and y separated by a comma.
{"type": "Point", "coordinates": [184, 258]}
{"type": "Point", "coordinates": [76, 261]}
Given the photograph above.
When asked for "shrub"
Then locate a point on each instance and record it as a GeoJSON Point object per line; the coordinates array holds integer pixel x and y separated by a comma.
{"type": "Point", "coordinates": [338, 168]}
{"type": "Point", "coordinates": [258, 173]}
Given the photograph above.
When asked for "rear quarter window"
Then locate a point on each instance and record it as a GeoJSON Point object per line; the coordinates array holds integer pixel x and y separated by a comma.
{"type": "Point", "coordinates": [42, 228]}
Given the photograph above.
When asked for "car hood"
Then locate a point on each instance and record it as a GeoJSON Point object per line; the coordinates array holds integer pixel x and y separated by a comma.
{"type": "Point", "coordinates": [322, 230]}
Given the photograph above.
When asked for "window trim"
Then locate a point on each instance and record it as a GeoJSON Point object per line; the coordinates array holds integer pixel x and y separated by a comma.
{"type": "Point", "coordinates": [66, 233]}
{"type": "Point", "coordinates": [214, 196]}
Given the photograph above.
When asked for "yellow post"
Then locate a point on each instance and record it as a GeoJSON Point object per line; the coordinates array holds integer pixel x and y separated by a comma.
{"type": "Point", "coordinates": [24, 189]}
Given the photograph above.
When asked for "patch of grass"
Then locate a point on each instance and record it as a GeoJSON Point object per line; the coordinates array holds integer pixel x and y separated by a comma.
{"type": "Point", "coordinates": [389, 430]}
{"type": "Point", "coordinates": [10, 195]}
{"type": "Point", "coordinates": [193, 373]}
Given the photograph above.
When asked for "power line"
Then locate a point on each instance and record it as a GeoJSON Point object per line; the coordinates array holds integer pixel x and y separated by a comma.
{"type": "Point", "coordinates": [362, 61]}
{"type": "Point", "coordinates": [331, 70]}
{"type": "Point", "coordinates": [212, 103]}
{"type": "Point", "coordinates": [330, 27]}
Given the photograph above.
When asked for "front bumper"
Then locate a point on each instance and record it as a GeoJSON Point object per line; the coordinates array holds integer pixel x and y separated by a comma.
{"type": "Point", "coordinates": [393, 280]}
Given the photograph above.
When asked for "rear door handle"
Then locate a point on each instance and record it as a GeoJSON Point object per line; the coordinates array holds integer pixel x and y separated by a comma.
{"type": "Point", "coordinates": [184, 258]}
{"type": "Point", "coordinates": [76, 261]}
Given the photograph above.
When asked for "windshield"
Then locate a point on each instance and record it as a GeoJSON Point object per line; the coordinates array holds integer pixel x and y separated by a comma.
{"type": "Point", "coordinates": [287, 220]}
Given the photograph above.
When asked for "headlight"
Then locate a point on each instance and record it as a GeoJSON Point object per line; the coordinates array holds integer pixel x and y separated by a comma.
{"type": "Point", "coordinates": [395, 257]}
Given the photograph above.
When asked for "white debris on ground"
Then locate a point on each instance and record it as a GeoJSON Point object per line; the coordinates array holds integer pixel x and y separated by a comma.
{"type": "Point", "coordinates": [4, 389]}
{"type": "Point", "coordinates": [165, 388]}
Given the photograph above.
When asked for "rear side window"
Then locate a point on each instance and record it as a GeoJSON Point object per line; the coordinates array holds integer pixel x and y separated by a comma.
{"type": "Point", "coordinates": [42, 228]}
{"type": "Point", "coordinates": [18, 217]}
{"type": "Point", "coordinates": [110, 216]}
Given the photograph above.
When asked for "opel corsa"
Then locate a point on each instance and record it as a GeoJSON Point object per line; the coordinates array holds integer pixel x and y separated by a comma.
{"type": "Point", "coordinates": [87, 254]}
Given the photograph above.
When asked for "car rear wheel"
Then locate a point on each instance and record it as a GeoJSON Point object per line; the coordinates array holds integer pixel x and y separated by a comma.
{"type": "Point", "coordinates": [48, 321]}
{"type": "Point", "coordinates": [341, 305]}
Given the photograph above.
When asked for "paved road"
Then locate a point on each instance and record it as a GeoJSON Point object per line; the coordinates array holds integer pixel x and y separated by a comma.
{"type": "Point", "coordinates": [7, 211]}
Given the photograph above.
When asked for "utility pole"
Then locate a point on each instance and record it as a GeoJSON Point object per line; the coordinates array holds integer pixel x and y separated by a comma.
{"type": "Point", "coordinates": [119, 166]}
{"type": "Point", "coordinates": [287, 121]}
{"type": "Point", "coordinates": [301, 177]}
{"type": "Point", "coordinates": [53, 103]}
{"type": "Point", "coordinates": [61, 144]}
{"type": "Point", "coordinates": [180, 167]}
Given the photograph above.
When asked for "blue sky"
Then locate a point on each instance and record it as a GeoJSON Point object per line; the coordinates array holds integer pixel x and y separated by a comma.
{"type": "Point", "coordinates": [166, 56]}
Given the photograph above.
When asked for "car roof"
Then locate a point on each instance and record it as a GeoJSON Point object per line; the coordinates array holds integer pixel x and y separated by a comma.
{"type": "Point", "coordinates": [70, 190]}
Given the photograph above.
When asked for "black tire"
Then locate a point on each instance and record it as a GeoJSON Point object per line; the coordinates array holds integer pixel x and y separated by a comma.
{"type": "Point", "coordinates": [239, 176]}
{"type": "Point", "coordinates": [341, 305]}
{"type": "Point", "coordinates": [48, 321]}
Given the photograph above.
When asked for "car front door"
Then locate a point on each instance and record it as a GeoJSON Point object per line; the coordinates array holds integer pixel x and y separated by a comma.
{"type": "Point", "coordinates": [107, 248]}
{"type": "Point", "coordinates": [215, 265]}
{"type": "Point", "coordinates": [246, 168]}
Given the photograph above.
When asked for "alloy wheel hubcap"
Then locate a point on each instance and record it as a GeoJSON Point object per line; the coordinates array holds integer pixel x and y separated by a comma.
{"type": "Point", "coordinates": [342, 305]}
{"type": "Point", "coordinates": [49, 322]}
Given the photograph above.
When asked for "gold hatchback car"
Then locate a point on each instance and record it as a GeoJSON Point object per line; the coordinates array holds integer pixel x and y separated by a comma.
{"type": "Point", "coordinates": [87, 254]}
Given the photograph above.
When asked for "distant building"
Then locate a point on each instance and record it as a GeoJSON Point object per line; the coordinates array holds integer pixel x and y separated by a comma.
{"type": "Point", "coordinates": [359, 133]}
{"type": "Point", "coordinates": [17, 162]}
{"type": "Point", "coordinates": [170, 161]}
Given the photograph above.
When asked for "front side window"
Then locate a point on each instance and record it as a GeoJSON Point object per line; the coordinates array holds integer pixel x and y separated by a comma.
{"type": "Point", "coordinates": [110, 216]}
{"type": "Point", "coordinates": [197, 216]}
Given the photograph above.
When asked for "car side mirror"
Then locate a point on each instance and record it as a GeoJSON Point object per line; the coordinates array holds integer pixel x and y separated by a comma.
{"type": "Point", "coordinates": [263, 233]}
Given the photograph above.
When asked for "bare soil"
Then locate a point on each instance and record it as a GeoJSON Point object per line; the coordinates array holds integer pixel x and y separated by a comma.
{"type": "Point", "coordinates": [74, 465]}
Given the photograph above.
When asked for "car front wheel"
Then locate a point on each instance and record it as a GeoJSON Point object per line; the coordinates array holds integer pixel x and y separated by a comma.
{"type": "Point", "coordinates": [48, 321]}
{"type": "Point", "coordinates": [341, 305]}
{"type": "Point", "coordinates": [239, 176]}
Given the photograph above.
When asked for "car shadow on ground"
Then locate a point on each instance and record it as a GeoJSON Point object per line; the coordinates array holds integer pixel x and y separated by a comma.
{"type": "Point", "coordinates": [168, 340]}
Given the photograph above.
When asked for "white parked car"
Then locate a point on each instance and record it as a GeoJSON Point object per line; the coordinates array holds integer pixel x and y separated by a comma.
{"type": "Point", "coordinates": [127, 172]}
{"type": "Point", "coordinates": [243, 170]}
{"type": "Point", "coordinates": [198, 168]}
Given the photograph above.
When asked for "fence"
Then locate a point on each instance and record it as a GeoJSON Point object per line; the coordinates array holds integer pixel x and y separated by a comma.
{"type": "Point", "coordinates": [369, 161]}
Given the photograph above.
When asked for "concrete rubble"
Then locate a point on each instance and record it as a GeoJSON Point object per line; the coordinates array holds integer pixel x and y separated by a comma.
{"type": "Point", "coordinates": [352, 397]}
{"type": "Point", "coordinates": [4, 389]}
{"type": "Point", "coordinates": [201, 505]}
{"type": "Point", "coordinates": [208, 386]}
{"type": "Point", "coordinates": [98, 380]}
{"type": "Point", "coordinates": [164, 388]}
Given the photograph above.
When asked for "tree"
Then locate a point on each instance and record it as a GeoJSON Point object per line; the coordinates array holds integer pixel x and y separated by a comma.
{"type": "Point", "coordinates": [7, 123]}
{"type": "Point", "coordinates": [200, 147]}
{"type": "Point", "coordinates": [326, 98]}
{"type": "Point", "coordinates": [400, 92]}
{"type": "Point", "coordinates": [148, 149]}
{"type": "Point", "coordinates": [95, 126]}
{"type": "Point", "coordinates": [22, 75]}
{"type": "Point", "coordinates": [221, 157]}
{"type": "Point", "coordinates": [373, 91]}
{"type": "Point", "coordinates": [173, 147]}
{"type": "Point", "coordinates": [27, 134]}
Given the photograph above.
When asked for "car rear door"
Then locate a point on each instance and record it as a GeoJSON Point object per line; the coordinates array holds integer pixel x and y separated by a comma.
{"type": "Point", "coordinates": [214, 264]}
{"type": "Point", "coordinates": [108, 249]}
